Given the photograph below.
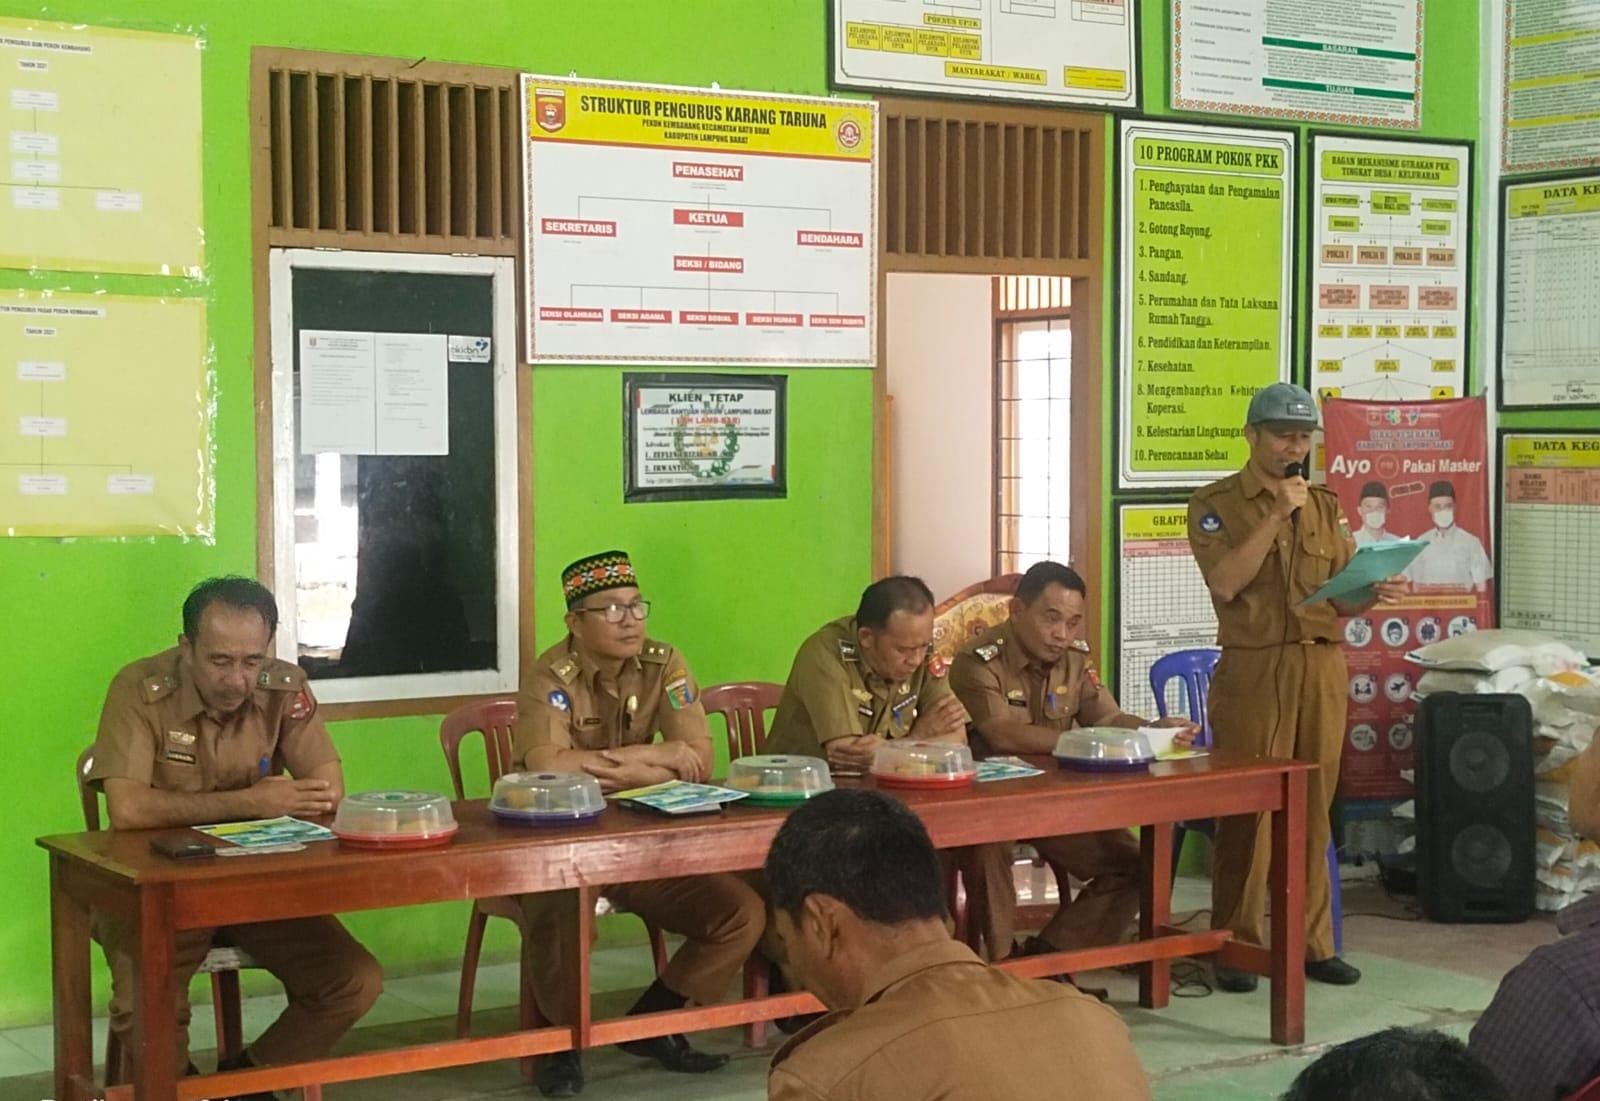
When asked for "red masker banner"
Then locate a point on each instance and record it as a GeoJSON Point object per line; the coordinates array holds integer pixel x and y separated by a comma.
{"type": "Point", "coordinates": [1416, 470]}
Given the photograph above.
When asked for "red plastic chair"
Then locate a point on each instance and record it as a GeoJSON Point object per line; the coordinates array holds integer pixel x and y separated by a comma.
{"type": "Point", "coordinates": [223, 963]}
{"type": "Point", "coordinates": [1589, 1092]}
{"type": "Point", "coordinates": [496, 720]}
{"type": "Point", "coordinates": [743, 706]}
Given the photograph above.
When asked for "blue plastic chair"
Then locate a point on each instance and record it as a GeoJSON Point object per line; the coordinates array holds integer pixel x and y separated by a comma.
{"type": "Point", "coordinates": [1193, 669]}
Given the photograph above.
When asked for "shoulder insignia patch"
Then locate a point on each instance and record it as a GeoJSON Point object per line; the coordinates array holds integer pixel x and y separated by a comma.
{"type": "Point", "coordinates": [849, 651]}
{"type": "Point", "coordinates": [679, 693]}
{"type": "Point", "coordinates": [1210, 523]}
{"type": "Point", "coordinates": [558, 700]}
{"type": "Point", "coordinates": [656, 653]}
{"type": "Point", "coordinates": [283, 678]}
{"type": "Point", "coordinates": [565, 669]}
{"type": "Point", "coordinates": [937, 666]}
{"type": "Point", "coordinates": [158, 687]}
{"type": "Point", "coordinates": [1081, 645]}
{"type": "Point", "coordinates": [989, 652]}
{"type": "Point", "coordinates": [303, 706]}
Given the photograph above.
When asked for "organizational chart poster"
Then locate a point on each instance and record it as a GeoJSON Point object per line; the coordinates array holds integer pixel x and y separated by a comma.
{"type": "Point", "coordinates": [1055, 51]}
{"type": "Point", "coordinates": [103, 149]}
{"type": "Point", "coordinates": [1391, 224]}
{"type": "Point", "coordinates": [107, 413]}
{"type": "Point", "coordinates": [682, 225]}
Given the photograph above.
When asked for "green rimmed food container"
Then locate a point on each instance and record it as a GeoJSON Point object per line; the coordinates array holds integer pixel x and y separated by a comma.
{"type": "Point", "coordinates": [779, 780]}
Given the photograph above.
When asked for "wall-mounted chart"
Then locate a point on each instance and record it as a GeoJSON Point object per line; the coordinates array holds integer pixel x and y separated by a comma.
{"type": "Point", "coordinates": [697, 226]}
{"type": "Point", "coordinates": [103, 133]}
{"type": "Point", "coordinates": [1549, 284]}
{"type": "Point", "coordinates": [107, 415]}
{"type": "Point", "coordinates": [1390, 281]}
{"type": "Point", "coordinates": [1054, 51]}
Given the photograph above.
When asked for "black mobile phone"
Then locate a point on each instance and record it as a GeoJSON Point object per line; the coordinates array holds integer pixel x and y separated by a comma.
{"type": "Point", "coordinates": [180, 848]}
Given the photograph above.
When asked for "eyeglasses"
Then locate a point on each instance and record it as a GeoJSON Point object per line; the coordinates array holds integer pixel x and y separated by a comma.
{"type": "Point", "coordinates": [616, 613]}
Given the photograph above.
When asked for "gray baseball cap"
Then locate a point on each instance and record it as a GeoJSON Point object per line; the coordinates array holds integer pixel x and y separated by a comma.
{"type": "Point", "coordinates": [1282, 403]}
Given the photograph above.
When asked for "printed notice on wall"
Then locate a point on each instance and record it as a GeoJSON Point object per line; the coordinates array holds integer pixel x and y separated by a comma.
{"type": "Point", "coordinates": [1354, 63]}
{"type": "Point", "coordinates": [1389, 286]}
{"type": "Point", "coordinates": [1054, 51]}
{"type": "Point", "coordinates": [1205, 243]}
{"type": "Point", "coordinates": [1549, 287]}
{"type": "Point", "coordinates": [1162, 600]}
{"type": "Point", "coordinates": [698, 437]}
{"type": "Point", "coordinates": [696, 226]}
{"type": "Point", "coordinates": [1551, 118]}
{"type": "Point", "coordinates": [1550, 526]}
{"type": "Point", "coordinates": [106, 416]}
{"type": "Point", "coordinates": [374, 393]}
{"type": "Point", "coordinates": [103, 140]}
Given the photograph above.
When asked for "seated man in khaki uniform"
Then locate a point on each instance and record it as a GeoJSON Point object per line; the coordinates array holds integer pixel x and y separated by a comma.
{"type": "Point", "coordinates": [595, 703]}
{"type": "Point", "coordinates": [1024, 682]}
{"type": "Point", "coordinates": [203, 733]}
{"type": "Point", "coordinates": [866, 678]}
{"type": "Point", "coordinates": [859, 904]}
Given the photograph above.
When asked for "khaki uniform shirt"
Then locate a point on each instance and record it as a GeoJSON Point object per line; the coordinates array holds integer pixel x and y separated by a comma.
{"type": "Point", "coordinates": [994, 678]}
{"type": "Point", "coordinates": [154, 729]}
{"type": "Point", "coordinates": [831, 693]}
{"type": "Point", "coordinates": [1303, 556]}
{"type": "Point", "coordinates": [938, 1023]}
{"type": "Point", "coordinates": [570, 704]}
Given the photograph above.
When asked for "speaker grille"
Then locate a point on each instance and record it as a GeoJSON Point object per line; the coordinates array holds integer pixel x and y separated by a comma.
{"type": "Point", "coordinates": [1479, 762]}
{"type": "Point", "coordinates": [1481, 855]}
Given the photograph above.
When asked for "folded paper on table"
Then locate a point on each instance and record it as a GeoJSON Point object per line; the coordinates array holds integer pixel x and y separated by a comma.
{"type": "Point", "coordinates": [1370, 564]}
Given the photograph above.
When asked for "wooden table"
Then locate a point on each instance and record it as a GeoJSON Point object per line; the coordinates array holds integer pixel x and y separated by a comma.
{"type": "Point", "coordinates": [115, 871]}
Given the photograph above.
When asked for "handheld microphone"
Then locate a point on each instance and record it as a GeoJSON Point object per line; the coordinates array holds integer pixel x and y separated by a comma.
{"type": "Point", "coordinates": [1301, 469]}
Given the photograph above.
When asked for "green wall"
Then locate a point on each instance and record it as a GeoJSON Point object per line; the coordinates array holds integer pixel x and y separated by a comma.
{"type": "Point", "coordinates": [736, 585]}
{"type": "Point", "coordinates": [1450, 75]}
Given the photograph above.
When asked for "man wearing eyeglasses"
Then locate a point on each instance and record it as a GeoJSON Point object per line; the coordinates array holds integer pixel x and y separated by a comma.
{"type": "Point", "coordinates": [594, 703]}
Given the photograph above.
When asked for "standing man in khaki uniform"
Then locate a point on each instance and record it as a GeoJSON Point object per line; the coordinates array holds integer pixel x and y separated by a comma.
{"type": "Point", "coordinates": [1265, 540]}
{"type": "Point", "coordinates": [203, 733]}
{"type": "Point", "coordinates": [595, 703]}
{"type": "Point", "coordinates": [1024, 682]}
{"type": "Point", "coordinates": [859, 903]}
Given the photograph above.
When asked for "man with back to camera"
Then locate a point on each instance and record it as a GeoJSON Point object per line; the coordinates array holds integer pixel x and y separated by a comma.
{"type": "Point", "coordinates": [1024, 682]}
{"type": "Point", "coordinates": [1453, 556]}
{"type": "Point", "coordinates": [1265, 539]}
{"type": "Point", "coordinates": [595, 702]}
{"type": "Point", "coordinates": [203, 733]}
{"type": "Point", "coordinates": [1374, 508]}
{"type": "Point", "coordinates": [859, 904]}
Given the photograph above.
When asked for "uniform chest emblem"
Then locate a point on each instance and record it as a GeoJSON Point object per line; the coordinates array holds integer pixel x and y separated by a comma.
{"type": "Point", "coordinates": [1017, 695]}
{"type": "Point", "coordinates": [180, 737]}
{"type": "Point", "coordinates": [1210, 523]}
{"type": "Point", "coordinates": [558, 700]}
{"type": "Point", "coordinates": [861, 694]}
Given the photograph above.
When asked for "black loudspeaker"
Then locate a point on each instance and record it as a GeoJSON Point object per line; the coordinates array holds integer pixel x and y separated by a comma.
{"type": "Point", "coordinates": [1475, 843]}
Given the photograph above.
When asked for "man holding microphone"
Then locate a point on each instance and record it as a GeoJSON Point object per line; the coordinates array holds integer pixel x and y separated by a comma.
{"type": "Point", "coordinates": [1265, 539]}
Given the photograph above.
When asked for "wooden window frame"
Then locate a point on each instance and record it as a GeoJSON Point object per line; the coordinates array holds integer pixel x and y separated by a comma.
{"type": "Point", "coordinates": [1088, 276]}
{"type": "Point", "coordinates": [264, 237]}
{"type": "Point", "coordinates": [1004, 352]}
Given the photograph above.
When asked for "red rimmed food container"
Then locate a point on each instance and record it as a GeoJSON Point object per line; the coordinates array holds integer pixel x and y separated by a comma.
{"type": "Point", "coordinates": [394, 821]}
{"type": "Point", "coordinates": [547, 799]}
{"type": "Point", "coordinates": [933, 766]}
